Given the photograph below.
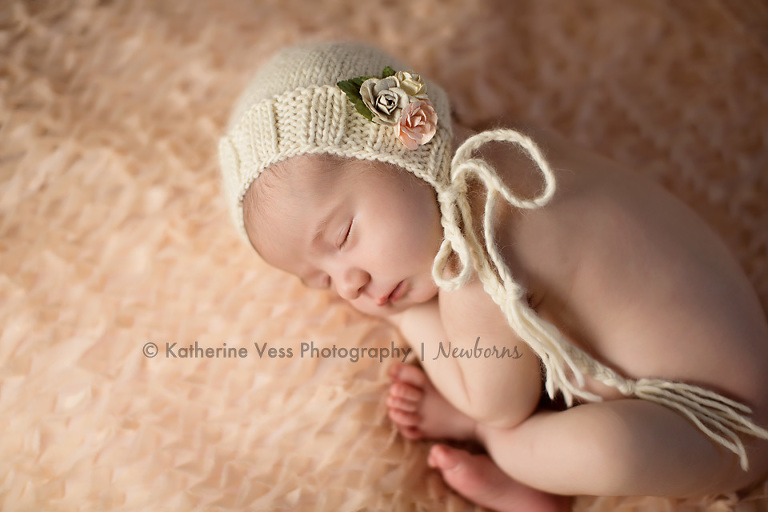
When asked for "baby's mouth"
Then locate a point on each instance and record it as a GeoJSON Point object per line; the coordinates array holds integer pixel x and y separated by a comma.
{"type": "Point", "coordinates": [393, 296]}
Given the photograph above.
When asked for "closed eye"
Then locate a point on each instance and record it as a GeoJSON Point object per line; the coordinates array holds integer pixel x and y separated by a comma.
{"type": "Point", "coordinates": [346, 235]}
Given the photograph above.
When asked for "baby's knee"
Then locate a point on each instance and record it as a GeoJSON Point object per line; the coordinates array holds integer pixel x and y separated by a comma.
{"type": "Point", "coordinates": [503, 411]}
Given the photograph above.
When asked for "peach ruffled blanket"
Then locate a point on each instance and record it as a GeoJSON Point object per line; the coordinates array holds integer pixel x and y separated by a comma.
{"type": "Point", "coordinates": [113, 233]}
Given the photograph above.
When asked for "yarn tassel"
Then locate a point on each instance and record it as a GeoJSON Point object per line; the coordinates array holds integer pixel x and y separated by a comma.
{"type": "Point", "coordinates": [718, 417]}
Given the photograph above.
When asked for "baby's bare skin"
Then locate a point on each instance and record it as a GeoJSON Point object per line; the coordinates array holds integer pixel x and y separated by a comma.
{"type": "Point", "coordinates": [624, 270]}
{"type": "Point", "coordinates": [629, 274]}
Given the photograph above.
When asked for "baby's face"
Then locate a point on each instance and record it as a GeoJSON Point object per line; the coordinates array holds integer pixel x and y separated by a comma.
{"type": "Point", "coordinates": [366, 230]}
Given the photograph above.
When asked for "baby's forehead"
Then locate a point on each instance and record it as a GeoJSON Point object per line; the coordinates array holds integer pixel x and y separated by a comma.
{"type": "Point", "coordinates": [303, 179]}
{"type": "Point", "coordinates": [299, 175]}
{"type": "Point", "coordinates": [314, 173]}
{"type": "Point", "coordinates": [295, 183]}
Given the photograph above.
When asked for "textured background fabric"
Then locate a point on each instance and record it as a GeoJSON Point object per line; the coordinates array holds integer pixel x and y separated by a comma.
{"type": "Point", "coordinates": [113, 231]}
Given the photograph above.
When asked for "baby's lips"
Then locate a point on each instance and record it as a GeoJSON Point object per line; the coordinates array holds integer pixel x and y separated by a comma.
{"type": "Point", "coordinates": [385, 298]}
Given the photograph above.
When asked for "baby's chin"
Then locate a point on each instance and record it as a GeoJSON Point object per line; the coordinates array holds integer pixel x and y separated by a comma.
{"type": "Point", "coordinates": [374, 310]}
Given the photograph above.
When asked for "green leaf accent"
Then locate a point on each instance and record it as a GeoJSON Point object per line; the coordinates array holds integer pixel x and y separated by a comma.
{"type": "Point", "coordinates": [364, 111]}
{"type": "Point", "coordinates": [352, 89]}
{"type": "Point", "coordinates": [352, 86]}
{"type": "Point", "coordinates": [359, 80]}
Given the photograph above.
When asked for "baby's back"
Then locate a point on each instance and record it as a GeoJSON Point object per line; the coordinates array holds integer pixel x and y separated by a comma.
{"type": "Point", "coordinates": [632, 275]}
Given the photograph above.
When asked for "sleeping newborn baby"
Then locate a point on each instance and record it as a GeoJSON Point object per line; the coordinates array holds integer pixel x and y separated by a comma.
{"type": "Point", "coordinates": [514, 264]}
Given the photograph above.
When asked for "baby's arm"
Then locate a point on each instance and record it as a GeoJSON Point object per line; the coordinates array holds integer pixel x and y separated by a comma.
{"type": "Point", "coordinates": [499, 392]}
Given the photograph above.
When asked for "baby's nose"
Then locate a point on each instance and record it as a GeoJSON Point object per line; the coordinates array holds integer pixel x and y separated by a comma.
{"type": "Point", "coordinates": [351, 284]}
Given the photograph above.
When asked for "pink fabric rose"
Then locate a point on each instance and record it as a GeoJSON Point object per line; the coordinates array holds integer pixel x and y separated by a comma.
{"type": "Point", "coordinates": [418, 123]}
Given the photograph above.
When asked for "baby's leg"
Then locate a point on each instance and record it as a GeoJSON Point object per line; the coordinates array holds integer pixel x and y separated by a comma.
{"type": "Point", "coordinates": [620, 447]}
{"type": "Point", "coordinates": [615, 448]}
{"type": "Point", "coordinates": [419, 411]}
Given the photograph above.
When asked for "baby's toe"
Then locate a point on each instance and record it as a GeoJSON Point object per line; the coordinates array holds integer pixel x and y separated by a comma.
{"type": "Point", "coordinates": [394, 370]}
{"type": "Point", "coordinates": [410, 433]}
{"type": "Point", "coordinates": [404, 418]}
{"type": "Point", "coordinates": [402, 404]}
{"type": "Point", "coordinates": [412, 375]}
{"type": "Point", "coordinates": [406, 392]}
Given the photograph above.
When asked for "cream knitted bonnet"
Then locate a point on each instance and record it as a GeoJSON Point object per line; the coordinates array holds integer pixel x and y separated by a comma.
{"type": "Point", "coordinates": [293, 106]}
{"type": "Point", "coordinates": [323, 98]}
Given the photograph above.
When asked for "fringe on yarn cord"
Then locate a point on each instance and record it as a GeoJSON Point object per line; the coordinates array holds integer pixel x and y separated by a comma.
{"type": "Point", "coordinates": [715, 415]}
{"type": "Point", "coordinates": [718, 417]}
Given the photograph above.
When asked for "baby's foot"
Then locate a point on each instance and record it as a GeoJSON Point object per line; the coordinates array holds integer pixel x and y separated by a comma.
{"type": "Point", "coordinates": [479, 480]}
{"type": "Point", "coordinates": [420, 411]}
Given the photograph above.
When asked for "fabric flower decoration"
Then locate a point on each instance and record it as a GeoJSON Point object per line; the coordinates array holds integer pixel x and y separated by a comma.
{"type": "Point", "coordinates": [417, 125]}
{"type": "Point", "coordinates": [412, 84]}
{"type": "Point", "coordinates": [385, 99]}
{"type": "Point", "coordinates": [398, 100]}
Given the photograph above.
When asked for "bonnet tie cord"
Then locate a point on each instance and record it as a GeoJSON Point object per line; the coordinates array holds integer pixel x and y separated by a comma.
{"type": "Point", "coordinates": [720, 418]}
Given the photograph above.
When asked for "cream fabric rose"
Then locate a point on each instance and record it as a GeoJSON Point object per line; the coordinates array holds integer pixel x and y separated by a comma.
{"type": "Point", "coordinates": [412, 84]}
{"type": "Point", "coordinates": [418, 124]}
{"type": "Point", "coordinates": [385, 99]}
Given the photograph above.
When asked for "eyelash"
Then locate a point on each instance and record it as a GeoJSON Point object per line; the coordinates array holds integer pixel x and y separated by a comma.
{"type": "Point", "coordinates": [346, 236]}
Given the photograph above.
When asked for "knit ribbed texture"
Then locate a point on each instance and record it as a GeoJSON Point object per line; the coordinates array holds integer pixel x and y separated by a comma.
{"type": "Point", "coordinates": [293, 106]}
